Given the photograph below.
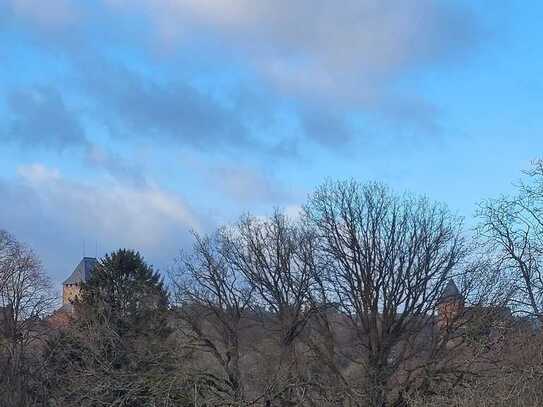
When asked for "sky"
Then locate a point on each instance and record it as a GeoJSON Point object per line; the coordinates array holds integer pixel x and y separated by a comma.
{"type": "Point", "coordinates": [130, 123]}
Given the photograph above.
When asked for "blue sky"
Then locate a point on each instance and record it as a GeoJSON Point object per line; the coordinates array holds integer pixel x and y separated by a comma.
{"type": "Point", "coordinates": [129, 123]}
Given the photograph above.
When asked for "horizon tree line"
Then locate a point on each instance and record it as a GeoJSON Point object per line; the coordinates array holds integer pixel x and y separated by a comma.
{"type": "Point", "coordinates": [338, 307]}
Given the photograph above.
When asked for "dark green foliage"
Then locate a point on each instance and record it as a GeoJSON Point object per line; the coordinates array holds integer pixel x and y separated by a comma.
{"type": "Point", "coordinates": [118, 349]}
{"type": "Point", "coordinates": [126, 293]}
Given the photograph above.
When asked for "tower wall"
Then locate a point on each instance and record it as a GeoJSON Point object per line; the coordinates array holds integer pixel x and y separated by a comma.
{"type": "Point", "coordinates": [69, 292]}
{"type": "Point", "coordinates": [449, 311]}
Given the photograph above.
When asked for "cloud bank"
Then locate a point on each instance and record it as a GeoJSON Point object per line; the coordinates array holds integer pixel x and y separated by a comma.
{"type": "Point", "coordinates": [58, 215]}
{"type": "Point", "coordinates": [347, 50]}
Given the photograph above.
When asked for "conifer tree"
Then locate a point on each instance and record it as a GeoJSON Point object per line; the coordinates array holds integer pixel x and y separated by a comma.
{"type": "Point", "coordinates": [126, 293]}
{"type": "Point", "coordinates": [118, 349]}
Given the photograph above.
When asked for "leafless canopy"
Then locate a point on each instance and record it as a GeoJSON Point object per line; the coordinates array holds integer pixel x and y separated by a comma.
{"type": "Point", "coordinates": [25, 298]}
{"type": "Point", "coordinates": [257, 273]}
{"type": "Point", "coordinates": [389, 258]}
{"type": "Point", "coordinates": [511, 228]}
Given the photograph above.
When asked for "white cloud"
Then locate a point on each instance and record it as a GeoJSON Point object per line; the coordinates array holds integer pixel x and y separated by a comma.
{"type": "Point", "coordinates": [137, 217]}
{"type": "Point", "coordinates": [56, 215]}
{"type": "Point", "coordinates": [38, 173]}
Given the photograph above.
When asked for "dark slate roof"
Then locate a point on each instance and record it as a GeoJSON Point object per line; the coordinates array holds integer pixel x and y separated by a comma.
{"type": "Point", "coordinates": [451, 291]}
{"type": "Point", "coordinates": [83, 271]}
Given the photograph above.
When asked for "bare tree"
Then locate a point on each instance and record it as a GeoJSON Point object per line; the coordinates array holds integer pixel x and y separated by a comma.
{"type": "Point", "coordinates": [251, 280]}
{"type": "Point", "coordinates": [390, 258]}
{"type": "Point", "coordinates": [277, 257]}
{"type": "Point", "coordinates": [25, 298]}
{"type": "Point", "coordinates": [512, 229]}
{"type": "Point", "coordinates": [213, 300]}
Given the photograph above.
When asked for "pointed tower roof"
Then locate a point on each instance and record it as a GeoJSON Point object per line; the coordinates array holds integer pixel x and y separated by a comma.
{"type": "Point", "coordinates": [451, 292]}
{"type": "Point", "coordinates": [83, 271]}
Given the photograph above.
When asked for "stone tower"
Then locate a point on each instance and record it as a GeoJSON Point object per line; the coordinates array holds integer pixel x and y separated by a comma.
{"type": "Point", "coordinates": [81, 274]}
{"type": "Point", "coordinates": [450, 305]}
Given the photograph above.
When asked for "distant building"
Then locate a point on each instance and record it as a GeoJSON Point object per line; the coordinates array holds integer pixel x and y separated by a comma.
{"type": "Point", "coordinates": [450, 305]}
{"type": "Point", "coordinates": [72, 285]}
{"type": "Point", "coordinates": [81, 274]}
{"type": "Point", "coordinates": [70, 290]}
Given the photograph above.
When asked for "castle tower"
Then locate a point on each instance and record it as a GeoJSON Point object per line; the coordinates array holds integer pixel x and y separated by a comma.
{"type": "Point", "coordinates": [72, 285]}
{"type": "Point", "coordinates": [450, 305]}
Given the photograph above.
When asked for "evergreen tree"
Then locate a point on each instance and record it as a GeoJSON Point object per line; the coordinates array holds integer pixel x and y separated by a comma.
{"type": "Point", "coordinates": [118, 349]}
{"type": "Point", "coordinates": [126, 293]}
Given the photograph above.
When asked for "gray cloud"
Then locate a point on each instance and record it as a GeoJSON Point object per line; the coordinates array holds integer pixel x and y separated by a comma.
{"type": "Point", "coordinates": [118, 167]}
{"type": "Point", "coordinates": [323, 53]}
{"type": "Point", "coordinates": [348, 51]}
{"type": "Point", "coordinates": [328, 128]}
{"type": "Point", "coordinates": [40, 118]}
{"type": "Point", "coordinates": [134, 105]}
{"type": "Point", "coordinates": [348, 55]}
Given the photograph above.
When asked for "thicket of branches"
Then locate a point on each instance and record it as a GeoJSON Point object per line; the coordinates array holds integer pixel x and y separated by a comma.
{"type": "Point", "coordinates": [341, 306]}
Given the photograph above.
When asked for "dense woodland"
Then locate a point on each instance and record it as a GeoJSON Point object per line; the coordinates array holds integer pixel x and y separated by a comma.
{"type": "Point", "coordinates": [337, 307]}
